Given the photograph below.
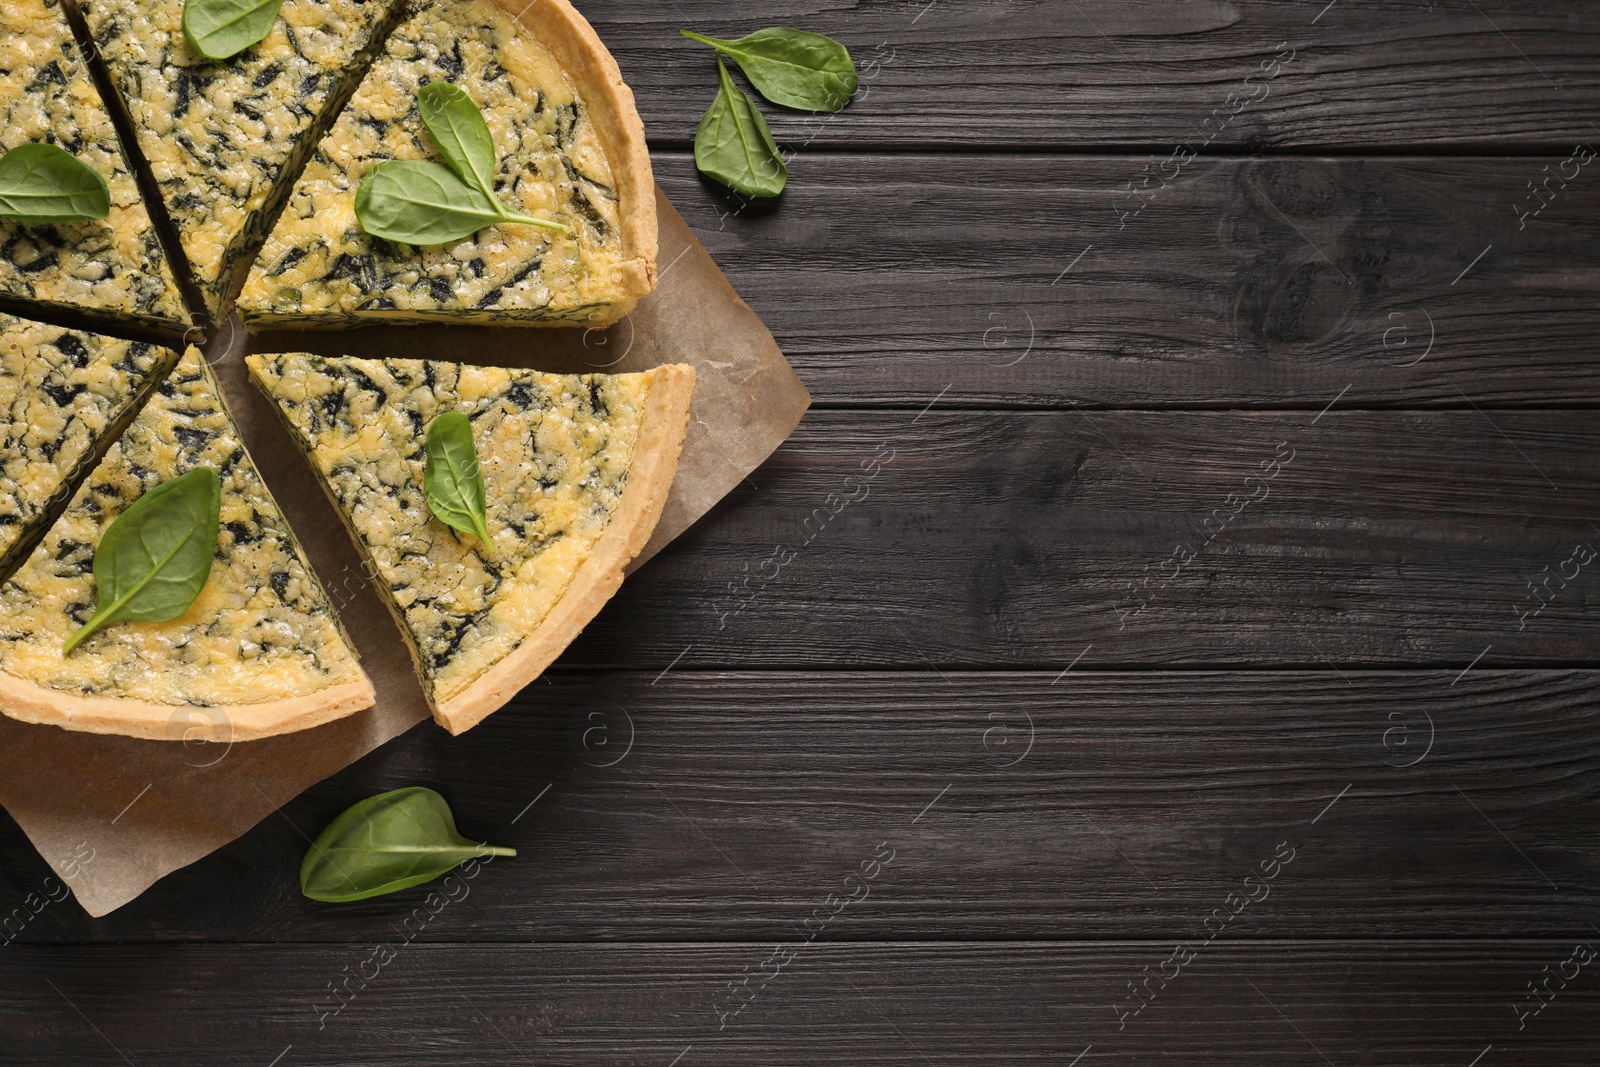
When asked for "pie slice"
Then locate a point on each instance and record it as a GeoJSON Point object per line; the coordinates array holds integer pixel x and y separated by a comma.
{"type": "Point", "coordinates": [576, 470]}
{"type": "Point", "coordinates": [63, 396]}
{"type": "Point", "coordinates": [570, 149]}
{"type": "Point", "coordinates": [225, 139]}
{"type": "Point", "coordinates": [259, 652]}
{"type": "Point", "coordinates": [113, 267]}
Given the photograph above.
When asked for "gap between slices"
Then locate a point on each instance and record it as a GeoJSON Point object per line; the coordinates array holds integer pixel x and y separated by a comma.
{"type": "Point", "coordinates": [576, 467]}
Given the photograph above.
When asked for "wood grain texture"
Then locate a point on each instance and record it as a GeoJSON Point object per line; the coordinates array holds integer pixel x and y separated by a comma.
{"type": "Point", "coordinates": [900, 1005]}
{"type": "Point", "coordinates": [1017, 539]}
{"type": "Point", "coordinates": [707, 807]}
{"type": "Point", "coordinates": [1220, 283]}
{"type": "Point", "coordinates": [990, 74]}
{"type": "Point", "coordinates": [1325, 418]}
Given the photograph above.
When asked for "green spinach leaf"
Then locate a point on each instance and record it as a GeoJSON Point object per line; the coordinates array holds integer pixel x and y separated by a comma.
{"type": "Point", "coordinates": [792, 67]}
{"type": "Point", "coordinates": [221, 29]}
{"type": "Point", "coordinates": [452, 480]}
{"type": "Point", "coordinates": [154, 559]}
{"type": "Point", "coordinates": [44, 183]}
{"type": "Point", "coordinates": [420, 203]}
{"type": "Point", "coordinates": [461, 133]}
{"type": "Point", "coordinates": [734, 146]}
{"type": "Point", "coordinates": [387, 843]}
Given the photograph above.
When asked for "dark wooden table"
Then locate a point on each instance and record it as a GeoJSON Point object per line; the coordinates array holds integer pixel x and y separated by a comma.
{"type": "Point", "coordinates": [1184, 638]}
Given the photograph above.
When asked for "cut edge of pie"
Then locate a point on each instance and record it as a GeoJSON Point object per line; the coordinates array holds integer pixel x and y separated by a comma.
{"type": "Point", "coordinates": [593, 71]}
{"type": "Point", "coordinates": [662, 427]}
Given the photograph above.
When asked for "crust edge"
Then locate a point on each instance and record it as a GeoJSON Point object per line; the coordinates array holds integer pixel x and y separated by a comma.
{"type": "Point", "coordinates": [572, 42]}
{"type": "Point", "coordinates": [31, 703]}
{"type": "Point", "coordinates": [661, 431]}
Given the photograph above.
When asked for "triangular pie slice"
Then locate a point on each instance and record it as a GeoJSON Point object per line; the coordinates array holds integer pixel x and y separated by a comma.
{"type": "Point", "coordinates": [63, 396]}
{"type": "Point", "coordinates": [570, 149]}
{"type": "Point", "coordinates": [576, 469]}
{"type": "Point", "coordinates": [226, 139]}
{"type": "Point", "coordinates": [112, 268]}
{"type": "Point", "coordinates": [259, 652]}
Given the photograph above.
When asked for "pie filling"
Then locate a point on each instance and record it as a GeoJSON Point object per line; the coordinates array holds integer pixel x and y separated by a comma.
{"type": "Point", "coordinates": [62, 393]}
{"type": "Point", "coordinates": [112, 267]}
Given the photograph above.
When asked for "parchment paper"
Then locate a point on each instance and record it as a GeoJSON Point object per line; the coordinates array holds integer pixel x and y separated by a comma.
{"type": "Point", "coordinates": [113, 814]}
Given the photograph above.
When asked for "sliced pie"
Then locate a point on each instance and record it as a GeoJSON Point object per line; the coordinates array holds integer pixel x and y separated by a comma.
{"type": "Point", "coordinates": [576, 470]}
{"type": "Point", "coordinates": [225, 139]}
{"type": "Point", "coordinates": [259, 652]}
{"type": "Point", "coordinates": [570, 149]}
{"type": "Point", "coordinates": [112, 267]}
{"type": "Point", "coordinates": [63, 396]}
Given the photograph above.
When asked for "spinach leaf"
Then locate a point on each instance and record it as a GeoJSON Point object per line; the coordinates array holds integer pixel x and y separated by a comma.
{"type": "Point", "coordinates": [419, 203]}
{"type": "Point", "coordinates": [44, 183]}
{"type": "Point", "coordinates": [734, 146]}
{"type": "Point", "coordinates": [387, 843]}
{"type": "Point", "coordinates": [463, 137]}
{"type": "Point", "coordinates": [452, 480]}
{"type": "Point", "coordinates": [154, 559]}
{"type": "Point", "coordinates": [792, 67]}
{"type": "Point", "coordinates": [221, 29]}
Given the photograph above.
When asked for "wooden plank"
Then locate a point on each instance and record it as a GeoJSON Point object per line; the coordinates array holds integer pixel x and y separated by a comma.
{"type": "Point", "coordinates": [902, 539]}
{"type": "Point", "coordinates": [1353, 74]}
{"type": "Point", "coordinates": [1220, 283]}
{"type": "Point", "coordinates": [901, 1005]}
{"type": "Point", "coordinates": [1000, 806]}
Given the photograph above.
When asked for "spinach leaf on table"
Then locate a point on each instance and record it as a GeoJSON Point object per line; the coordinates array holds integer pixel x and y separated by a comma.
{"type": "Point", "coordinates": [791, 67]}
{"type": "Point", "coordinates": [387, 843]}
{"type": "Point", "coordinates": [734, 146]}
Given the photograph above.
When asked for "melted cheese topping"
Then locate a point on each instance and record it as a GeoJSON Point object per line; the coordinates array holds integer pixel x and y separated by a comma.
{"type": "Point", "coordinates": [319, 267]}
{"type": "Point", "coordinates": [225, 138]}
{"type": "Point", "coordinates": [112, 265]}
{"type": "Point", "coordinates": [554, 451]}
{"type": "Point", "coordinates": [260, 630]}
{"type": "Point", "coordinates": [61, 392]}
